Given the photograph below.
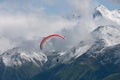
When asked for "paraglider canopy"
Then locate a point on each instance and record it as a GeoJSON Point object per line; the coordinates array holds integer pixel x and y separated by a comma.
{"type": "Point", "coordinates": [48, 37]}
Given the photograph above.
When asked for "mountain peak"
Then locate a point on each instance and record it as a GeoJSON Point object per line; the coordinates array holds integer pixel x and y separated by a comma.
{"type": "Point", "coordinates": [108, 33]}
{"type": "Point", "coordinates": [18, 57]}
{"type": "Point", "coordinates": [103, 10]}
{"type": "Point", "coordinates": [113, 15]}
{"type": "Point", "coordinates": [101, 7]}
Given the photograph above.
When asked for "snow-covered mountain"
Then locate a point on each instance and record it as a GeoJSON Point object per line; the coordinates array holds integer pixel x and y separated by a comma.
{"type": "Point", "coordinates": [18, 57]}
{"type": "Point", "coordinates": [107, 35]}
{"type": "Point", "coordinates": [96, 45]}
{"type": "Point", "coordinates": [102, 37]}
{"type": "Point", "coordinates": [113, 15]}
{"type": "Point", "coordinates": [96, 57]}
{"type": "Point", "coordinates": [21, 64]}
{"type": "Point", "coordinates": [110, 34]}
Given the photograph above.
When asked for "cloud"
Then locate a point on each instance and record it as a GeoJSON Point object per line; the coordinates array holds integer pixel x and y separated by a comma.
{"type": "Point", "coordinates": [85, 24]}
{"type": "Point", "coordinates": [26, 25]}
{"type": "Point", "coordinates": [5, 44]}
{"type": "Point", "coordinates": [82, 6]}
{"type": "Point", "coordinates": [19, 27]}
{"type": "Point", "coordinates": [85, 11]}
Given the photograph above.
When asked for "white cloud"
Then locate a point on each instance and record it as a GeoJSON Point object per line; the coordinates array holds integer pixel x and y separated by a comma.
{"type": "Point", "coordinates": [5, 44]}
{"type": "Point", "coordinates": [16, 28]}
{"type": "Point", "coordinates": [82, 6]}
{"type": "Point", "coordinates": [83, 27]}
{"type": "Point", "coordinates": [24, 27]}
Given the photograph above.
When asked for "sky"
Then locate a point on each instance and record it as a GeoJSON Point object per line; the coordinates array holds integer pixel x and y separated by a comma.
{"type": "Point", "coordinates": [111, 4]}
{"type": "Point", "coordinates": [25, 22]}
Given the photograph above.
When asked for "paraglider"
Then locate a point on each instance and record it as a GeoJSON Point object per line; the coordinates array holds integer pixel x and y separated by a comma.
{"type": "Point", "coordinates": [57, 59]}
{"type": "Point", "coordinates": [48, 37]}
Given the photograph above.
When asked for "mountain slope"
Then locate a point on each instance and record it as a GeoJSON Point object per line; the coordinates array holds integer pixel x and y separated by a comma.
{"type": "Point", "coordinates": [110, 34]}
{"type": "Point", "coordinates": [104, 35]}
{"type": "Point", "coordinates": [87, 67]}
{"type": "Point", "coordinates": [17, 57]}
{"type": "Point", "coordinates": [21, 64]}
{"type": "Point", "coordinates": [113, 77]}
{"type": "Point", "coordinates": [99, 61]}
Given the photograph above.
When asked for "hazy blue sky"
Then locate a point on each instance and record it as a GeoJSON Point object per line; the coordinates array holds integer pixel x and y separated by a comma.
{"type": "Point", "coordinates": [111, 4]}
{"type": "Point", "coordinates": [51, 6]}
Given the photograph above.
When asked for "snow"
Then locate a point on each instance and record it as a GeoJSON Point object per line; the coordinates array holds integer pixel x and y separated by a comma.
{"type": "Point", "coordinates": [75, 52]}
{"type": "Point", "coordinates": [110, 15]}
{"type": "Point", "coordinates": [81, 50]}
{"type": "Point", "coordinates": [110, 34]}
{"type": "Point", "coordinates": [17, 57]}
{"type": "Point", "coordinates": [62, 53]}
